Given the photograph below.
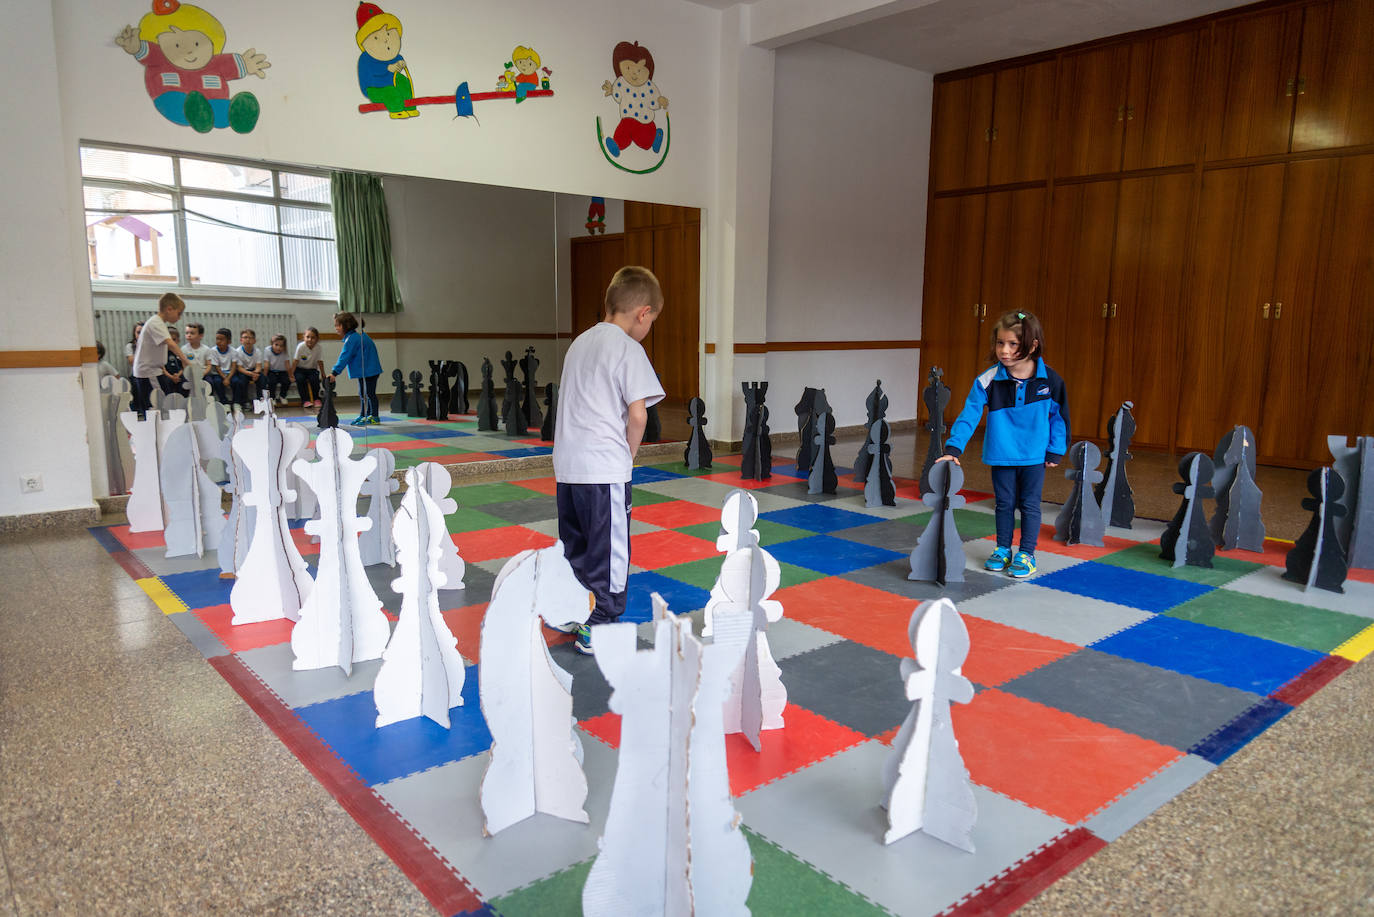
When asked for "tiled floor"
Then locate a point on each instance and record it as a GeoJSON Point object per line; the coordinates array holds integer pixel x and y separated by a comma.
{"type": "Point", "coordinates": [448, 442]}
{"type": "Point", "coordinates": [1106, 685]}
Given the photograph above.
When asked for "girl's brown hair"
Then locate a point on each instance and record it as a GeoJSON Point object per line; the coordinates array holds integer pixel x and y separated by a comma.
{"type": "Point", "coordinates": [1030, 337]}
{"type": "Point", "coordinates": [346, 321]}
{"type": "Point", "coordinates": [631, 50]}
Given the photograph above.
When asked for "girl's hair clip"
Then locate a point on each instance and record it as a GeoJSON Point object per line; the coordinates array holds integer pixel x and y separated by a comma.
{"type": "Point", "coordinates": [1021, 316]}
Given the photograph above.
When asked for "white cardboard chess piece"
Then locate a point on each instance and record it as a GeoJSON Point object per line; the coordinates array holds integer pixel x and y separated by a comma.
{"type": "Point", "coordinates": [194, 376]}
{"type": "Point", "coordinates": [145, 439]}
{"type": "Point", "coordinates": [215, 414]}
{"type": "Point", "coordinates": [757, 695]}
{"type": "Point", "coordinates": [342, 621]}
{"type": "Point", "coordinates": [167, 402]}
{"type": "Point", "coordinates": [195, 521]}
{"type": "Point", "coordinates": [113, 392]}
{"type": "Point", "coordinates": [306, 505]}
{"type": "Point", "coordinates": [437, 482]}
{"type": "Point", "coordinates": [536, 756]}
{"type": "Point", "coordinates": [375, 543]}
{"type": "Point", "coordinates": [671, 803]}
{"type": "Point", "coordinates": [738, 514]}
{"type": "Point", "coordinates": [238, 525]}
{"type": "Point", "coordinates": [422, 673]}
{"type": "Point", "coordinates": [273, 582]}
{"type": "Point", "coordinates": [926, 785]}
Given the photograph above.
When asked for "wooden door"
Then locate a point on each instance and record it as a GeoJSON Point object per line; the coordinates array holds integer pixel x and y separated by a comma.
{"type": "Point", "coordinates": [951, 311]}
{"type": "Point", "coordinates": [1163, 127]}
{"type": "Point", "coordinates": [1091, 111]}
{"type": "Point", "coordinates": [1015, 229]}
{"type": "Point", "coordinates": [594, 261]}
{"type": "Point", "coordinates": [1224, 334]}
{"type": "Point", "coordinates": [1335, 91]}
{"type": "Point", "coordinates": [1077, 290]}
{"type": "Point", "coordinates": [1252, 70]}
{"type": "Point", "coordinates": [1149, 262]}
{"type": "Point", "coordinates": [676, 331]}
{"type": "Point", "coordinates": [1022, 114]}
{"type": "Point", "coordinates": [961, 122]}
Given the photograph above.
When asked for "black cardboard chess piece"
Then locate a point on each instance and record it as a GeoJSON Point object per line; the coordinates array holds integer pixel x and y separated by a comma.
{"type": "Point", "coordinates": [756, 459]}
{"type": "Point", "coordinates": [546, 430]}
{"type": "Point", "coordinates": [936, 398]}
{"type": "Point", "coordinates": [878, 487]}
{"type": "Point", "coordinates": [939, 554]}
{"type": "Point", "coordinates": [486, 401]}
{"type": "Point", "coordinates": [822, 479]}
{"type": "Point", "coordinates": [1080, 521]}
{"type": "Point", "coordinates": [415, 401]}
{"type": "Point", "coordinates": [1355, 527]}
{"type": "Point", "coordinates": [438, 392]}
{"type": "Point", "coordinates": [806, 428]}
{"type": "Point", "coordinates": [529, 365]}
{"type": "Point", "coordinates": [1318, 558]}
{"type": "Point", "coordinates": [1114, 491]}
{"type": "Point", "coordinates": [328, 416]}
{"type": "Point", "coordinates": [1187, 540]}
{"type": "Point", "coordinates": [653, 425]}
{"type": "Point", "coordinates": [513, 409]}
{"type": "Point", "coordinates": [398, 392]}
{"type": "Point", "coordinates": [457, 373]}
{"type": "Point", "coordinates": [509, 363]}
{"type": "Point", "coordinates": [1237, 522]}
{"type": "Point", "coordinates": [697, 455]}
{"type": "Point", "coordinates": [877, 410]}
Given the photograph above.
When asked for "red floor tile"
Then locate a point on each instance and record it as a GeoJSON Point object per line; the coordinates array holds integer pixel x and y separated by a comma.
{"type": "Point", "coordinates": [135, 540]}
{"type": "Point", "coordinates": [805, 738]}
{"type": "Point", "coordinates": [535, 441]}
{"type": "Point", "coordinates": [243, 636]}
{"type": "Point", "coordinates": [1110, 545]}
{"type": "Point", "coordinates": [1275, 553]}
{"type": "Point", "coordinates": [466, 624]}
{"type": "Point", "coordinates": [675, 514]}
{"type": "Point", "coordinates": [734, 480]}
{"type": "Point", "coordinates": [852, 610]}
{"type": "Point", "coordinates": [547, 486]}
{"type": "Point", "coordinates": [1057, 762]}
{"type": "Point", "coordinates": [998, 653]}
{"type": "Point", "coordinates": [911, 490]}
{"type": "Point", "coordinates": [664, 549]}
{"type": "Point", "coordinates": [465, 457]}
{"type": "Point", "coordinates": [406, 444]}
{"type": "Point", "coordinates": [507, 541]}
{"type": "Point", "coordinates": [303, 543]}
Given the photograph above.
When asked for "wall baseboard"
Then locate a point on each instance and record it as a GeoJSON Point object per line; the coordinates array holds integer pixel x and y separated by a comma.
{"type": "Point", "coordinates": [59, 519]}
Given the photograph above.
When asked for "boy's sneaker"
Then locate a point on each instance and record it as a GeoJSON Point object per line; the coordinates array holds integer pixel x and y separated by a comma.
{"type": "Point", "coordinates": [584, 639]}
{"type": "Point", "coordinates": [1023, 565]}
{"type": "Point", "coordinates": [358, 421]}
{"type": "Point", "coordinates": [569, 628]}
{"type": "Point", "coordinates": [999, 560]}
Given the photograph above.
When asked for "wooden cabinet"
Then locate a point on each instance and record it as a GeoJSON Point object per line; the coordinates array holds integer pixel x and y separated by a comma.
{"type": "Point", "coordinates": [1091, 111]}
{"type": "Point", "coordinates": [667, 240]}
{"type": "Point", "coordinates": [961, 125]}
{"type": "Point", "coordinates": [1335, 88]}
{"type": "Point", "coordinates": [992, 129]}
{"type": "Point", "coordinates": [1253, 69]}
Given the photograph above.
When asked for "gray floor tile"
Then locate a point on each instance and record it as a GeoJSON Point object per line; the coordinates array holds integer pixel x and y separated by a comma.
{"type": "Point", "coordinates": [522, 512]}
{"type": "Point", "coordinates": [1040, 610]}
{"type": "Point", "coordinates": [713, 493]}
{"type": "Point", "coordinates": [299, 689]}
{"type": "Point", "coordinates": [201, 637]}
{"type": "Point", "coordinates": [1268, 582]}
{"type": "Point", "coordinates": [849, 683]}
{"type": "Point", "coordinates": [1137, 805]}
{"type": "Point", "coordinates": [891, 577]}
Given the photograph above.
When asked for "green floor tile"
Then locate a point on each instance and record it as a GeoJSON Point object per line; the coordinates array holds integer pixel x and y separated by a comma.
{"type": "Point", "coordinates": [770, 533]}
{"type": "Point", "coordinates": [971, 523]}
{"type": "Point", "coordinates": [498, 492]}
{"type": "Point", "coordinates": [641, 497]}
{"type": "Point", "coordinates": [1284, 622]}
{"type": "Point", "coordinates": [1145, 558]}
{"type": "Point", "coordinates": [702, 573]}
{"type": "Point", "coordinates": [560, 893]}
{"type": "Point", "coordinates": [681, 468]}
{"type": "Point", "coordinates": [784, 885]}
{"type": "Point", "coordinates": [467, 519]}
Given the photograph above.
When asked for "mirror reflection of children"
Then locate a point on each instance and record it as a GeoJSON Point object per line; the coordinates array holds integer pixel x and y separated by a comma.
{"type": "Point", "coordinates": [173, 378]}
{"type": "Point", "coordinates": [382, 72]}
{"type": "Point", "coordinates": [219, 366]}
{"type": "Point", "coordinates": [1028, 431]}
{"type": "Point", "coordinates": [279, 364]}
{"type": "Point", "coordinates": [247, 382]}
{"type": "Point", "coordinates": [638, 97]}
{"type": "Point", "coordinates": [308, 357]}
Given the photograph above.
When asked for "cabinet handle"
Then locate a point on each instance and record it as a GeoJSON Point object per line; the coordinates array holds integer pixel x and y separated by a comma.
{"type": "Point", "coordinates": [1121, 113]}
{"type": "Point", "coordinates": [1130, 112]}
{"type": "Point", "coordinates": [976, 312]}
{"type": "Point", "coordinates": [1265, 311]}
{"type": "Point", "coordinates": [987, 134]}
{"type": "Point", "coordinates": [1278, 311]}
{"type": "Point", "coordinates": [1104, 310]}
{"type": "Point", "coordinates": [1113, 310]}
{"type": "Point", "coordinates": [1302, 85]}
{"type": "Point", "coordinates": [1288, 88]}
{"type": "Point", "coordinates": [985, 310]}
{"type": "Point", "coordinates": [994, 133]}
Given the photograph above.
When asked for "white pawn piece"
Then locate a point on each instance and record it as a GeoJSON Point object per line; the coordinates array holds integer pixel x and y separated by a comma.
{"type": "Point", "coordinates": [113, 392]}
{"type": "Point", "coordinates": [238, 525]}
{"type": "Point", "coordinates": [342, 621]}
{"type": "Point", "coordinates": [671, 802]}
{"type": "Point", "coordinates": [167, 402]}
{"type": "Point", "coordinates": [306, 505]}
{"type": "Point", "coordinates": [926, 785]}
{"type": "Point", "coordinates": [437, 482]}
{"type": "Point", "coordinates": [375, 543]}
{"type": "Point", "coordinates": [195, 521]}
{"type": "Point", "coordinates": [536, 756]}
{"type": "Point", "coordinates": [422, 673]}
{"type": "Point", "coordinates": [757, 695]}
{"type": "Point", "coordinates": [273, 582]}
{"type": "Point", "coordinates": [145, 439]}
{"type": "Point", "coordinates": [738, 514]}
{"type": "Point", "coordinates": [216, 415]}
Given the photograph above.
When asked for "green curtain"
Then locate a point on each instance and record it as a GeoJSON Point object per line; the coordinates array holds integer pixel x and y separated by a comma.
{"type": "Point", "coordinates": [367, 280]}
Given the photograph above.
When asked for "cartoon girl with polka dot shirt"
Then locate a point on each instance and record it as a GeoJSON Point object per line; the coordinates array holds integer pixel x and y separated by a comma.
{"type": "Point", "coordinates": [638, 97]}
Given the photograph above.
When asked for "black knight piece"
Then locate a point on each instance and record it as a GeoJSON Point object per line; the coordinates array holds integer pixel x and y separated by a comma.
{"type": "Point", "coordinates": [698, 452]}
{"type": "Point", "coordinates": [513, 409]}
{"type": "Point", "coordinates": [529, 365]}
{"type": "Point", "coordinates": [878, 487]}
{"type": "Point", "coordinates": [457, 374]}
{"type": "Point", "coordinates": [756, 460]}
{"type": "Point", "coordinates": [806, 428]}
{"type": "Point", "coordinates": [1355, 528]}
{"type": "Point", "coordinates": [1080, 521]}
{"type": "Point", "coordinates": [415, 402]}
{"type": "Point", "coordinates": [822, 479]}
{"type": "Point", "coordinates": [1114, 491]}
{"type": "Point", "coordinates": [939, 554]}
{"type": "Point", "coordinates": [550, 425]}
{"type": "Point", "coordinates": [328, 416]}
{"type": "Point", "coordinates": [398, 392]}
{"type": "Point", "coordinates": [1317, 558]}
{"type": "Point", "coordinates": [486, 401]}
{"type": "Point", "coordinates": [936, 398]}
{"type": "Point", "coordinates": [438, 392]}
{"type": "Point", "coordinates": [1237, 522]}
{"type": "Point", "coordinates": [877, 410]}
{"type": "Point", "coordinates": [1187, 540]}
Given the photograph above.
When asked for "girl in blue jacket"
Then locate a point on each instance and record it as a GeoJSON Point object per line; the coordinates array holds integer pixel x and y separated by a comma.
{"type": "Point", "coordinates": [1028, 431]}
{"type": "Point", "coordinates": [359, 357]}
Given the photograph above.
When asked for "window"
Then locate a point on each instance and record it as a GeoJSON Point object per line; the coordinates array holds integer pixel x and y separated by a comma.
{"type": "Point", "coordinates": [192, 221]}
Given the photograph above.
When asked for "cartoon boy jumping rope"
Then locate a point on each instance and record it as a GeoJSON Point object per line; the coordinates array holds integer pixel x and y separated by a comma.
{"type": "Point", "coordinates": [637, 96]}
{"type": "Point", "coordinates": [382, 72]}
{"type": "Point", "coordinates": [187, 76]}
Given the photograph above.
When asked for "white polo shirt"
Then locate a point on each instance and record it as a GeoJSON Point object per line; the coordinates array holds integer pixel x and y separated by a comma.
{"type": "Point", "coordinates": [278, 362]}
{"type": "Point", "coordinates": [248, 361]}
{"type": "Point", "coordinates": [309, 357]}
{"type": "Point", "coordinates": [150, 356]}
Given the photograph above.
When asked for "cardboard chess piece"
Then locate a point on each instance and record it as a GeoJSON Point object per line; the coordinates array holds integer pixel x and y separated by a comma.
{"type": "Point", "coordinates": [195, 522]}
{"type": "Point", "coordinates": [438, 392]}
{"type": "Point", "coordinates": [697, 455]}
{"type": "Point", "coordinates": [1237, 522]}
{"type": "Point", "coordinates": [509, 364]}
{"type": "Point", "coordinates": [1317, 558]}
{"type": "Point", "coordinates": [1114, 491]}
{"type": "Point", "coordinates": [374, 543]}
{"type": "Point", "coordinates": [927, 785]}
{"type": "Point", "coordinates": [167, 402]}
{"type": "Point", "coordinates": [738, 514]}
{"type": "Point", "coordinates": [238, 525]}
{"type": "Point", "coordinates": [756, 461]}
{"type": "Point", "coordinates": [546, 430]}
{"type": "Point", "coordinates": [113, 391]}
{"type": "Point", "coordinates": [1187, 540]}
{"type": "Point", "coordinates": [879, 489]}
{"type": "Point", "coordinates": [437, 482]}
{"type": "Point", "coordinates": [653, 425]}
{"type": "Point", "coordinates": [193, 378]}
{"type": "Point", "coordinates": [398, 393]}
{"type": "Point", "coordinates": [757, 695]}
{"type": "Point", "coordinates": [415, 399]}
{"type": "Point", "coordinates": [936, 398]}
{"type": "Point", "coordinates": [823, 479]}
{"type": "Point", "coordinates": [1355, 527]}
{"type": "Point", "coordinates": [939, 554]}
{"type": "Point", "coordinates": [536, 755]}
{"type": "Point", "coordinates": [328, 415]}
{"type": "Point", "coordinates": [486, 401]}
{"type": "Point", "coordinates": [1080, 520]}
{"type": "Point", "coordinates": [529, 365]}
{"type": "Point", "coordinates": [457, 374]}
{"type": "Point", "coordinates": [806, 428]}
{"type": "Point", "coordinates": [876, 402]}
{"type": "Point", "coordinates": [513, 409]}
{"type": "Point", "coordinates": [146, 438]}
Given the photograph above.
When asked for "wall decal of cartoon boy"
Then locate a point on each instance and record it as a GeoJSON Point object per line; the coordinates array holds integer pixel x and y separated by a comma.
{"type": "Point", "coordinates": [187, 76]}
{"type": "Point", "coordinates": [638, 97]}
{"type": "Point", "coordinates": [382, 72]}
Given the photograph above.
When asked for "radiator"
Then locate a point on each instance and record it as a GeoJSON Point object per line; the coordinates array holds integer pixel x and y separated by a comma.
{"type": "Point", "coordinates": [114, 326]}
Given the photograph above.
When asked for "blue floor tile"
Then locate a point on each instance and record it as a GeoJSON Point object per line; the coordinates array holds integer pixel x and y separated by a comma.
{"type": "Point", "coordinates": [681, 597]}
{"type": "Point", "coordinates": [434, 434]}
{"type": "Point", "coordinates": [200, 588]}
{"type": "Point", "coordinates": [831, 556]}
{"type": "Point", "coordinates": [817, 517]}
{"type": "Point", "coordinates": [1121, 586]}
{"type": "Point", "coordinates": [1237, 734]}
{"type": "Point", "coordinates": [523, 452]}
{"type": "Point", "coordinates": [644, 474]}
{"type": "Point", "coordinates": [107, 539]}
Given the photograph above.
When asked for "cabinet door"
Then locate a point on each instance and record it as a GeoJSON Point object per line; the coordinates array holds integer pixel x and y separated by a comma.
{"type": "Point", "coordinates": [950, 310]}
{"type": "Point", "coordinates": [1077, 287]}
{"type": "Point", "coordinates": [1148, 266]}
{"type": "Point", "coordinates": [595, 259]}
{"type": "Point", "coordinates": [1162, 123]}
{"type": "Point", "coordinates": [1091, 111]}
{"type": "Point", "coordinates": [1335, 97]}
{"type": "Point", "coordinates": [1252, 68]}
{"type": "Point", "coordinates": [1022, 113]}
{"type": "Point", "coordinates": [1012, 251]}
{"type": "Point", "coordinates": [1224, 334]}
{"type": "Point", "coordinates": [676, 331]}
{"type": "Point", "coordinates": [959, 136]}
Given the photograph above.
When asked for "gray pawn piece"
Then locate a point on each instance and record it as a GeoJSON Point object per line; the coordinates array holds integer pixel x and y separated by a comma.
{"type": "Point", "coordinates": [698, 452]}
{"type": "Point", "coordinates": [939, 556]}
{"type": "Point", "coordinates": [1114, 491]}
{"type": "Point", "coordinates": [415, 399]}
{"type": "Point", "coordinates": [513, 409]}
{"type": "Point", "coordinates": [529, 365]}
{"type": "Point", "coordinates": [877, 410]}
{"type": "Point", "coordinates": [878, 488]}
{"type": "Point", "coordinates": [1237, 522]}
{"type": "Point", "coordinates": [936, 397]}
{"type": "Point", "coordinates": [806, 428]}
{"type": "Point", "coordinates": [550, 425]}
{"type": "Point", "coordinates": [822, 479]}
{"type": "Point", "coordinates": [486, 400]}
{"type": "Point", "coordinates": [1316, 558]}
{"type": "Point", "coordinates": [398, 392]}
{"type": "Point", "coordinates": [1187, 539]}
{"type": "Point", "coordinates": [1355, 527]}
{"type": "Point", "coordinates": [1080, 521]}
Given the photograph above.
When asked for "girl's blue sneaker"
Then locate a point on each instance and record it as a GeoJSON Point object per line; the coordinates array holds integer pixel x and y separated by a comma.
{"type": "Point", "coordinates": [1023, 565]}
{"type": "Point", "coordinates": [999, 560]}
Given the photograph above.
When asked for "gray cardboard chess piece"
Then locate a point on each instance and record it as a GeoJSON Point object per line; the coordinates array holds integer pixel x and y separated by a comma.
{"type": "Point", "coordinates": [167, 402]}
{"type": "Point", "coordinates": [877, 410]}
{"type": "Point", "coordinates": [939, 554]}
{"type": "Point", "coordinates": [113, 391]}
{"type": "Point", "coordinates": [238, 526]}
{"type": "Point", "coordinates": [878, 487]}
{"type": "Point", "coordinates": [550, 425]}
{"type": "Point", "coordinates": [415, 399]}
{"type": "Point", "coordinates": [195, 522]}
{"type": "Point", "coordinates": [698, 452]}
{"type": "Point", "coordinates": [823, 479]}
{"type": "Point", "coordinates": [398, 393]}
{"type": "Point", "coordinates": [529, 366]}
{"type": "Point", "coordinates": [194, 376]}
{"type": "Point", "coordinates": [513, 409]}
{"type": "Point", "coordinates": [457, 373]}
{"type": "Point", "coordinates": [653, 425]}
{"type": "Point", "coordinates": [1114, 491]}
{"type": "Point", "coordinates": [328, 415]}
{"type": "Point", "coordinates": [486, 401]}
{"type": "Point", "coordinates": [1355, 527]}
{"type": "Point", "coordinates": [806, 428]}
{"type": "Point", "coordinates": [756, 455]}
{"type": "Point", "coordinates": [1080, 521]}
{"type": "Point", "coordinates": [936, 397]}
{"type": "Point", "coordinates": [1317, 558]}
{"type": "Point", "coordinates": [1187, 540]}
{"type": "Point", "coordinates": [1237, 522]}
{"type": "Point", "coordinates": [438, 392]}
{"type": "Point", "coordinates": [509, 364]}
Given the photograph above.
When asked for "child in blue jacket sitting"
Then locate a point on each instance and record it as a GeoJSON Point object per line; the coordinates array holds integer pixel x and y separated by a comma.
{"type": "Point", "coordinates": [359, 357]}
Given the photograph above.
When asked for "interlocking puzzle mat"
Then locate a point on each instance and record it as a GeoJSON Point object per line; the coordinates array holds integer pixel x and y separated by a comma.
{"type": "Point", "coordinates": [1106, 684]}
{"type": "Point", "coordinates": [448, 442]}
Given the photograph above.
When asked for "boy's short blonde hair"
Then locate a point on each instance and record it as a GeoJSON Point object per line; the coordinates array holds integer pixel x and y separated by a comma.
{"type": "Point", "coordinates": [632, 287]}
{"type": "Point", "coordinates": [171, 301]}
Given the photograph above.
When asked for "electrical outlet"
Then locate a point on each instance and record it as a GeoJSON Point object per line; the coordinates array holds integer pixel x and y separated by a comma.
{"type": "Point", "coordinates": [30, 483]}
